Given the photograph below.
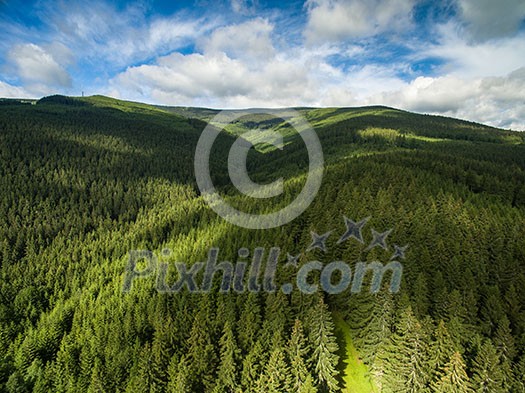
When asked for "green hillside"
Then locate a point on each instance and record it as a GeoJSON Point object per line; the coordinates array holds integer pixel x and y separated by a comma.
{"type": "Point", "coordinates": [86, 180]}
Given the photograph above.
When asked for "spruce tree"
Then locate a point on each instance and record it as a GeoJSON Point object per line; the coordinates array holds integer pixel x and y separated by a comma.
{"type": "Point", "coordinates": [251, 368]}
{"type": "Point", "coordinates": [276, 375]}
{"type": "Point", "coordinates": [487, 376]}
{"type": "Point", "coordinates": [229, 355]}
{"type": "Point", "coordinates": [201, 353]}
{"type": "Point", "coordinates": [179, 379]}
{"type": "Point", "coordinates": [454, 378]}
{"type": "Point", "coordinates": [249, 323]}
{"type": "Point", "coordinates": [409, 372]}
{"type": "Point", "coordinates": [441, 349]}
{"type": "Point", "coordinates": [322, 338]}
{"type": "Point", "coordinates": [297, 354]}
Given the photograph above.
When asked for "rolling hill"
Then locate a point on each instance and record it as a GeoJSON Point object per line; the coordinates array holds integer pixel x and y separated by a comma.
{"type": "Point", "coordinates": [87, 180]}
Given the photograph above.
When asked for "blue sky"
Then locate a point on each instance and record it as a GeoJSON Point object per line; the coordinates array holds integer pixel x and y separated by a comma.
{"type": "Point", "coordinates": [462, 58]}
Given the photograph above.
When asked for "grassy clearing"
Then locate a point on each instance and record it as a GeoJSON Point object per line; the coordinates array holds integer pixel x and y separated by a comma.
{"type": "Point", "coordinates": [353, 372]}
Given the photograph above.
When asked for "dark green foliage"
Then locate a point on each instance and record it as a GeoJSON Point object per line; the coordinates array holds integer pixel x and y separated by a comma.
{"type": "Point", "coordinates": [454, 378]}
{"type": "Point", "coordinates": [408, 372]}
{"type": "Point", "coordinates": [487, 372]}
{"type": "Point", "coordinates": [301, 380]}
{"type": "Point", "coordinates": [324, 358]}
{"type": "Point", "coordinates": [229, 360]}
{"type": "Point", "coordinates": [85, 180]}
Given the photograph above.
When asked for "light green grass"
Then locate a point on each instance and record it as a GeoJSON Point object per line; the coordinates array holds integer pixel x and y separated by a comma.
{"type": "Point", "coordinates": [352, 371]}
{"type": "Point", "coordinates": [323, 117]}
{"type": "Point", "coordinates": [124, 106]}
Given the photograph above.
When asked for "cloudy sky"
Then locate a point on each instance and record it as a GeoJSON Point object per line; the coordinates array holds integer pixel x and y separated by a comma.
{"type": "Point", "coordinates": [462, 58]}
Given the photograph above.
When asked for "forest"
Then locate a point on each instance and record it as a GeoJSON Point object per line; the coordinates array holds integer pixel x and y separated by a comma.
{"type": "Point", "coordinates": [85, 181]}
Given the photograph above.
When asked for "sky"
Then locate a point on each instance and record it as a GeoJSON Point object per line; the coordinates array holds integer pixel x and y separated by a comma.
{"type": "Point", "coordinates": [460, 58]}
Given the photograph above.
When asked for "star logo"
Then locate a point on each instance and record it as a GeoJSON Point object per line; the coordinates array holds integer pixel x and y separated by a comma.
{"type": "Point", "coordinates": [353, 229]}
{"type": "Point", "coordinates": [399, 252]}
{"type": "Point", "coordinates": [292, 260]}
{"type": "Point", "coordinates": [379, 239]}
{"type": "Point", "coordinates": [319, 241]}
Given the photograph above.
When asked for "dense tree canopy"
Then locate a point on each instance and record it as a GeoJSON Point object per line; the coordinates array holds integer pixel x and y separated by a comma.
{"type": "Point", "coordinates": [85, 181]}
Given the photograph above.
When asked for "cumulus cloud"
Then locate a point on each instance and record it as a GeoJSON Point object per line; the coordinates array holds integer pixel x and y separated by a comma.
{"type": "Point", "coordinates": [334, 20]}
{"type": "Point", "coordinates": [250, 40]}
{"type": "Point", "coordinates": [217, 80]}
{"type": "Point", "coordinates": [493, 100]}
{"type": "Point", "coordinates": [240, 67]}
{"type": "Point", "coordinates": [36, 65]}
{"type": "Point", "coordinates": [487, 19]}
{"type": "Point", "coordinates": [495, 57]}
{"type": "Point", "coordinates": [10, 91]}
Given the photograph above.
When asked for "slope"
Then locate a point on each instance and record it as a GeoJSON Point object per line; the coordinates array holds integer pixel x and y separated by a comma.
{"type": "Point", "coordinates": [86, 181]}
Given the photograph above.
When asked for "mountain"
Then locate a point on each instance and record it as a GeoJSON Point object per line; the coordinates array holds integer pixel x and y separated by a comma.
{"type": "Point", "coordinates": [101, 216]}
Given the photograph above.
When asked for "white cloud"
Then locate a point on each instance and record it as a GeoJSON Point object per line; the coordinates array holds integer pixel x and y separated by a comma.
{"type": "Point", "coordinates": [464, 59]}
{"type": "Point", "coordinates": [244, 7]}
{"type": "Point", "coordinates": [249, 40]}
{"type": "Point", "coordinates": [224, 76]}
{"type": "Point", "coordinates": [334, 20]}
{"type": "Point", "coordinates": [36, 65]}
{"type": "Point", "coordinates": [10, 91]}
{"type": "Point", "coordinates": [216, 80]}
{"type": "Point", "coordinates": [104, 35]}
{"type": "Point", "coordinates": [487, 19]}
{"type": "Point", "coordinates": [492, 100]}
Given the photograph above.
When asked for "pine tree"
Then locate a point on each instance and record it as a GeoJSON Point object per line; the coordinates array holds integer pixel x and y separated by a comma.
{"type": "Point", "coordinates": [454, 378]}
{"type": "Point", "coordinates": [324, 357]}
{"type": "Point", "coordinates": [409, 372]}
{"type": "Point", "coordinates": [457, 318]}
{"type": "Point", "coordinates": [518, 385]}
{"type": "Point", "coordinates": [441, 349]}
{"type": "Point", "coordinates": [141, 377]}
{"type": "Point", "coordinates": [297, 353]}
{"type": "Point", "coordinates": [252, 368]}
{"type": "Point", "coordinates": [421, 300]}
{"type": "Point", "coordinates": [178, 372]}
{"type": "Point", "coordinates": [98, 379]}
{"type": "Point", "coordinates": [229, 354]}
{"type": "Point", "coordinates": [160, 361]}
{"type": "Point", "coordinates": [276, 375]}
{"type": "Point", "coordinates": [504, 343]}
{"type": "Point", "coordinates": [249, 323]}
{"type": "Point", "coordinates": [201, 353]}
{"type": "Point", "coordinates": [487, 375]}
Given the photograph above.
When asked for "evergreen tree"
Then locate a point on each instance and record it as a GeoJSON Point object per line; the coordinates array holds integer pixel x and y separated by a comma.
{"type": "Point", "coordinates": [252, 368]}
{"type": "Point", "coordinates": [229, 355]}
{"type": "Point", "coordinates": [98, 379]}
{"type": "Point", "coordinates": [179, 381]}
{"type": "Point", "coordinates": [201, 353]}
{"type": "Point", "coordinates": [504, 344]}
{"type": "Point", "coordinates": [141, 378]}
{"type": "Point", "coordinates": [324, 358]}
{"type": "Point", "coordinates": [487, 376]}
{"type": "Point", "coordinates": [454, 378]}
{"type": "Point", "coordinates": [441, 349]}
{"type": "Point", "coordinates": [409, 372]}
{"type": "Point", "coordinates": [297, 353]}
{"type": "Point", "coordinates": [518, 385]}
{"type": "Point", "coordinates": [249, 323]}
{"type": "Point", "coordinates": [276, 375]}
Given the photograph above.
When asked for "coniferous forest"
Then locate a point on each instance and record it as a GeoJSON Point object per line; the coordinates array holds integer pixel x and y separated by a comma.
{"type": "Point", "coordinates": [85, 181]}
